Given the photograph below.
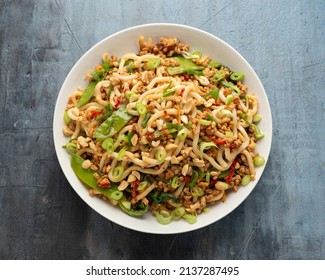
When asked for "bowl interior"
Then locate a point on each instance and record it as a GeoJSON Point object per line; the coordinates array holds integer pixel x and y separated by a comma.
{"type": "Point", "coordinates": [127, 41]}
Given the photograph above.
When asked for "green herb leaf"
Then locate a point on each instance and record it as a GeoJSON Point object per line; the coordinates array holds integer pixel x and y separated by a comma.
{"type": "Point", "coordinates": [108, 111]}
{"type": "Point", "coordinates": [158, 197]}
{"type": "Point", "coordinates": [98, 75]}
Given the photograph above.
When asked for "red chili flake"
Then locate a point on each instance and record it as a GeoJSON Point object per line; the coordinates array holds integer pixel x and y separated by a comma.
{"type": "Point", "coordinates": [95, 113]}
{"type": "Point", "coordinates": [165, 112]}
{"type": "Point", "coordinates": [117, 102]}
{"type": "Point", "coordinates": [187, 179]}
{"type": "Point", "coordinates": [105, 184]}
{"type": "Point", "coordinates": [213, 182]}
{"type": "Point", "coordinates": [218, 141]}
{"type": "Point", "coordinates": [149, 135]}
{"type": "Point", "coordinates": [231, 171]}
{"type": "Point", "coordinates": [186, 77]}
{"type": "Point", "coordinates": [182, 91]}
{"type": "Point", "coordinates": [232, 145]}
{"type": "Point", "coordinates": [169, 48]}
{"type": "Point", "coordinates": [135, 184]}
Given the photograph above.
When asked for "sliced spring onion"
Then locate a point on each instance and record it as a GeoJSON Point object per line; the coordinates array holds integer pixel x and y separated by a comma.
{"type": "Point", "coordinates": [146, 119]}
{"type": "Point", "coordinates": [229, 99]}
{"type": "Point", "coordinates": [214, 93]}
{"type": "Point", "coordinates": [197, 53]}
{"type": "Point", "coordinates": [207, 177]}
{"type": "Point", "coordinates": [108, 145]}
{"type": "Point", "coordinates": [161, 155]}
{"type": "Point", "coordinates": [217, 77]}
{"type": "Point", "coordinates": [121, 153]}
{"type": "Point", "coordinates": [129, 68]}
{"type": "Point", "coordinates": [206, 145]}
{"type": "Point", "coordinates": [226, 113]}
{"type": "Point", "coordinates": [231, 86]}
{"type": "Point", "coordinates": [190, 218]}
{"type": "Point", "coordinates": [129, 65]}
{"type": "Point", "coordinates": [153, 63]}
{"type": "Point", "coordinates": [142, 186]}
{"type": "Point", "coordinates": [211, 118]}
{"type": "Point", "coordinates": [182, 134]}
{"type": "Point", "coordinates": [187, 55]}
{"type": "Point", "coordinates": [204, 122]}
{"type": "Point", "coordinates": [116, 195]}
{"type": "Point", "coordinates": [259, 161]}
{"type": "Point", "coordinates": [194, 179]}
{"type": "Point", "coordinates": [163, 217]}
{"type": "Point", "coordinates": [172, 127]}
{"type": "Point", "coordinates": [237, 76]}
{"type": "Point", "coordinates": [175, 182]}
{"type": "Point", "coordinates": [257, 118]}
{"type": "Point", "coordinates": [71, 147]}
{"type": "Point", "coordinates": [197, 191]}
{"type": "Point", "coordinates": [128, 94]}
{"type": "Point", "coordinates": [118, 172]}
{"type": "Point", "coordinates": [229, 134]}
{"type": "Point", "coordinates": [66, 118]}
{"type": "Point", "coordinates": [157, 134]}
{"type": "Point", "coordinates": [245, 180]}
{"type": "Point", "coordinates": [176, 70]}
{"type": "Point", "coordinates": [141, 108]}
{"type": "Point", "coordinates": [168, 92]}
{"type": "Point", "coordinates": [178, 213]}
{"type": "Point", "coordinates": [129, 137]}
{"type": "Point", "coordinates": [206, 210]}
{"type": "Point", "coordinates": [258, 133]}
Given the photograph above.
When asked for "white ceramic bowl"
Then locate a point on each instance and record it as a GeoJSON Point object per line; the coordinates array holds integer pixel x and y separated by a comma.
{"type": "Point", "coordinates": [127, 41]}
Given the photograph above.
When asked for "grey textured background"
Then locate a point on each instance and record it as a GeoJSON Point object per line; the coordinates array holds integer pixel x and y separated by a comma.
{"type": "Point", "coordinates": [41, 217]}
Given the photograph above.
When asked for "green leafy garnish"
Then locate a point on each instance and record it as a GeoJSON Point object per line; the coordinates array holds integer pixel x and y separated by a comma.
{"type": "Point", "coordinates": [158, 197]}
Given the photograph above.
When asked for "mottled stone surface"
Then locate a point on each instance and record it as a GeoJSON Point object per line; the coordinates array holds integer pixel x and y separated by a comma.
{"type": "Point", "coordinates": [41, 217]}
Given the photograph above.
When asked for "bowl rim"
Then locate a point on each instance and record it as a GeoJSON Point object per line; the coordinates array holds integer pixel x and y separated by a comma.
{"type": "Point", "coordinates": [58, 148]}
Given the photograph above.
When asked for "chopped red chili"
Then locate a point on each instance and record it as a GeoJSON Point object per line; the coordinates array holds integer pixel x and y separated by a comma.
{"type": "Point", "coordinates": [218, 141]}
{"type": "Point", "coordinates": [117, 102]}
{"type": "Point", "coordinates": [213, 182]}
{"type": "Point", "coordinates": [149, 135]}
{"type": "Point", "coordinates": [231, 171]}
{"type": "Point", "coordinates": [105, 184]}
{"type": "Point", "coordinates": [186, 77]}
{"type": "Point", "coordinates": [95, 113]}
{"type": "Point", "coordinates": [182, 91]}
{"type": "Point", "coordinates": [135, 184]}
{"type": "Point", "coordinates": [232, 145]}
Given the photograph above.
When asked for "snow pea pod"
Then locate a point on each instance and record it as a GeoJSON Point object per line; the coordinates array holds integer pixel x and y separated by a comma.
{"type": "Point", "coordinates": [138, 211]}
{"type": "Point", "coordinates": [113, 124]}
{"type": "Point", "coordinates": [185, 66]}
{"type": "Point", "coordinates": [87, 177]}
{"type": "Point", "coordinates": [87, 94]}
